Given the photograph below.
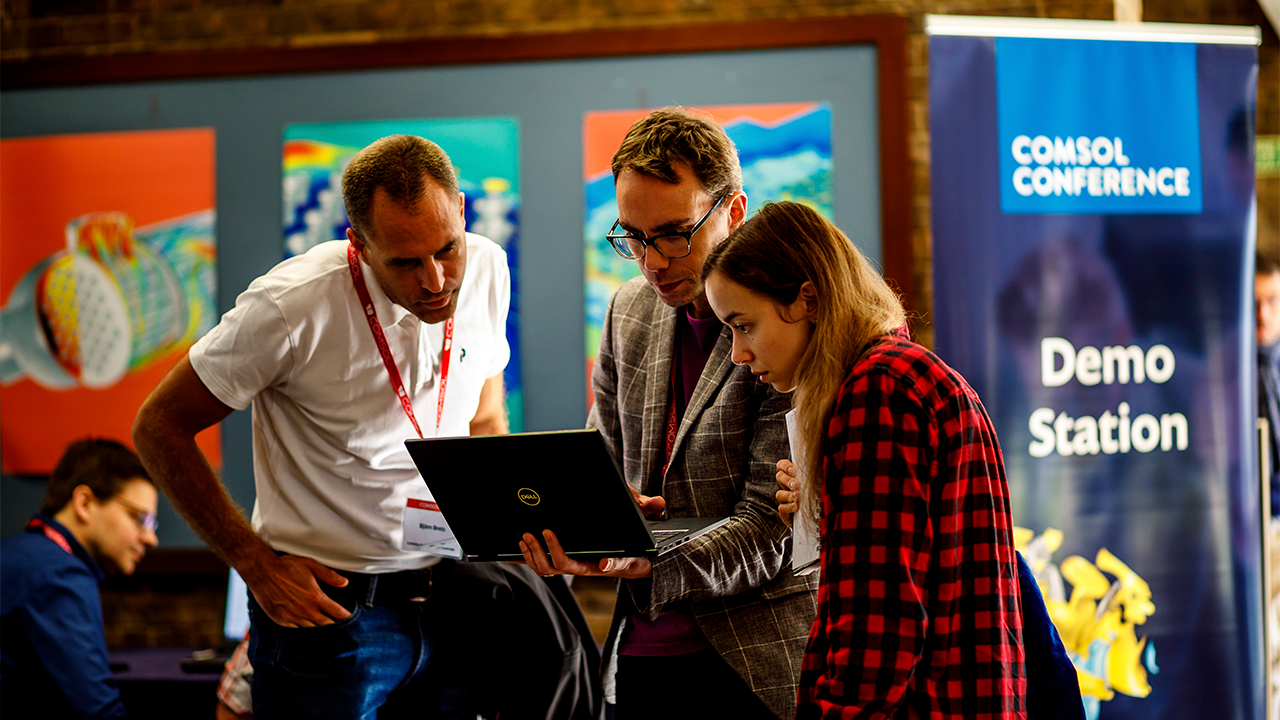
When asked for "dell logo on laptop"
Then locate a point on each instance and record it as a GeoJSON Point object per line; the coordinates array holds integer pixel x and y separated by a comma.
{"type": "Point", "coordinates": [528, 496]}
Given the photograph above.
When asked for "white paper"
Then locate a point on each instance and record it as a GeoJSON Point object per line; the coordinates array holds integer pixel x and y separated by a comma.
{"type": "Point", "coordinates": [804, 530]}
{"type": "Point", "coordinates": [426, 531]}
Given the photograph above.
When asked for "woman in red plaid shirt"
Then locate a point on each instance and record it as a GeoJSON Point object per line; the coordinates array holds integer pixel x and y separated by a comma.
{"type": "Point", "coordinates": [918, 610]}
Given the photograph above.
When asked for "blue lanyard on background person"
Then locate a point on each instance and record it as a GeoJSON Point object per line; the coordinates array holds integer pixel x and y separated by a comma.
{"type": "Point", "coordinates": [380, 339]}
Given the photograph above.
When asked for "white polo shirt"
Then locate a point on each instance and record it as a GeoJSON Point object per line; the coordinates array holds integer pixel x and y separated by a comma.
{"type": "Point", "coordinates": [330, 467]}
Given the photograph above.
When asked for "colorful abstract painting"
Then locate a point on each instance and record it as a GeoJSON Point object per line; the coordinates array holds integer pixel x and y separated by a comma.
{"type": "Point", "coordinates": [485, 152]}
{"type": "Point", "coordinates": [785, 152]}
{"type": "Point", "coordinates": [108, 274]}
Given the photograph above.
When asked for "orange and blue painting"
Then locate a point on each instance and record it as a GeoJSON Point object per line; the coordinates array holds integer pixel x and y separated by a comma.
{"type": "Point", "coordinates": [108, 274]}
{"type": "Point", "coordinates": [785, 153]}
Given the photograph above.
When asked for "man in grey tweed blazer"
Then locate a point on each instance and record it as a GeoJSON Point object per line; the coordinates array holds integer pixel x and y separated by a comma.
{"type": "Point", "coordinates": [717, 627]}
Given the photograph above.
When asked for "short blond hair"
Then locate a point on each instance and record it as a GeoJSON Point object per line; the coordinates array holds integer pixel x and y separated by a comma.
{"type": "Point", "coordinates": [656, 143]}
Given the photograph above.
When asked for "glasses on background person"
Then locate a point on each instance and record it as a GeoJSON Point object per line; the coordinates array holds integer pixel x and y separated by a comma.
{"type": "Point", "coordinates": [145, 519]}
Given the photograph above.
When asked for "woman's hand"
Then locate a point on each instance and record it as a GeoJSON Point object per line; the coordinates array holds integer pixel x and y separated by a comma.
{"type": "Point", "coordinates": [788, 496]}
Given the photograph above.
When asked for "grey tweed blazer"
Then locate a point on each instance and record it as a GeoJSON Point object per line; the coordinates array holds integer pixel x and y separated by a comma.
{"type": "Point", "coordinates": [736, 579]}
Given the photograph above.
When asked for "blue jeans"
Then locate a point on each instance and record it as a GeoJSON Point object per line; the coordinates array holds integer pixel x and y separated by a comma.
{"type": "Point", "coordinates": [390, 659]}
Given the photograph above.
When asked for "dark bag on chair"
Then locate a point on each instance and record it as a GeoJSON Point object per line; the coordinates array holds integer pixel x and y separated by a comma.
{"type": "Point", "coordinates": [1053, 688]}
{"type": "Point", "coordinates": [550, 668]}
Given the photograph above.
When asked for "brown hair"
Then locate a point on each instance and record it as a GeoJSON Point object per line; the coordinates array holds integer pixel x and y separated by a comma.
{"type": "Point", "coordinates": [664, 138]}
{"type": "Point", "coordinates": [102, 465]}
{"type": "Point", "coordinates": [398, 164]}
{"type": "Point", "coordinates": [1267, 263]}
{"type": "Point", "coordinates": [773, 254]}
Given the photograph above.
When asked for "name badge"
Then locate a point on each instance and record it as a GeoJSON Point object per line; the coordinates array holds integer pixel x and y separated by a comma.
{"type": "Point", "coordinates": [426, 531]}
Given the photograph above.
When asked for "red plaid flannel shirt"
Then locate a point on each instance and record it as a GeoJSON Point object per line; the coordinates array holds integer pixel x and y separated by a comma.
{"type": "Point", "coordinates": [919, 614]}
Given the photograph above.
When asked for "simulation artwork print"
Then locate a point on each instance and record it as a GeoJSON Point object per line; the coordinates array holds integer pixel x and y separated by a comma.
{"type": "Point", "coordinates": [113, 279]}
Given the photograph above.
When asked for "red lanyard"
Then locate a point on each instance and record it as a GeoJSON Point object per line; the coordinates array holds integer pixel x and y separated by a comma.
{"type": "Point", "coordinates": [370, 314]}
{"type": "Point", "coordinates": [673, 421]}
{"type": "Point", "coordinates": [51, 533]}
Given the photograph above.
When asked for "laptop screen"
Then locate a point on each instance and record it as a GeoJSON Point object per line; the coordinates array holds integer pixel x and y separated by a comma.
{"type": "Point", "coordinates": [236, 622]}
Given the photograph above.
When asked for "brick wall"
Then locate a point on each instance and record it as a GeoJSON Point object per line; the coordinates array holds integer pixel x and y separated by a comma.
{"type": "Point", "coordinates": [164, 611]}
{"type": "Point", "coordinates": [177, 598]}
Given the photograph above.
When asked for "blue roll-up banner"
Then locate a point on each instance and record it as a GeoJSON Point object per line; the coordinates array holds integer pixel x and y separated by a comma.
{"type": "Point", "coordinates": [1093, 239]}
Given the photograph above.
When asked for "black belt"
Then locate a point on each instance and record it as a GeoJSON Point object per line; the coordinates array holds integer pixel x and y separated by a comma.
{"type": "Point", "coordinates": [406, 586]}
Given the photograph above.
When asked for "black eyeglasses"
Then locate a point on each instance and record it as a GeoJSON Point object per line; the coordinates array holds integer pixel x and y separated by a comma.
{"type": "Point", "coordinates": [145, 519]}
{"type": "Point", "coordinates": [672, 245]}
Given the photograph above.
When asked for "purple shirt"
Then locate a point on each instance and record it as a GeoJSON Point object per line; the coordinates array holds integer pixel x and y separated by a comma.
{"type": "Point", "coordinates": [675, 632]}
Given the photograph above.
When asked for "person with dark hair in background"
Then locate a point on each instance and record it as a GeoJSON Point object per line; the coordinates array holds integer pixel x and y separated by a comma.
{"type": "Point", "coordinates": [1266, 293]}
{"type": "Point", "coordinates": [718, 624]}
{"type": "Point", "coordinates": [335, 349]}
{"type": "Point", "coordinates": [98, 517]}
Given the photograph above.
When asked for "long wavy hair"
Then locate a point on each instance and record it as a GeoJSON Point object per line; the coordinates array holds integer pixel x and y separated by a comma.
{"type": "Point", "coordinates": [783, 246]}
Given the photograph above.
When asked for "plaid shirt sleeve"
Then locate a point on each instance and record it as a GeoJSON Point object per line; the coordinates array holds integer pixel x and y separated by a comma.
{"type": "Point", "coordinates": [918, 608]}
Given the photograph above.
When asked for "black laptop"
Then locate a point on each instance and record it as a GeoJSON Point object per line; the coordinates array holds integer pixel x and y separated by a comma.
{"type": "Point", "coordinates": [493, 489]}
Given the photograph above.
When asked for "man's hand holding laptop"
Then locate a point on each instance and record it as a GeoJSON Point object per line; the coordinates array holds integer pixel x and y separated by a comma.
{"type": "Point", "coordinates": [553, 561]}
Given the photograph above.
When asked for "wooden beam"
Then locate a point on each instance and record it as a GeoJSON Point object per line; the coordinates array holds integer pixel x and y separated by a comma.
{"type": "Point", "coordinates": [1128, 10]}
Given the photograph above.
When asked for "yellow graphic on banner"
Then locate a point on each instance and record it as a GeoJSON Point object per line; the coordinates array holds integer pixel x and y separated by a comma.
{"type": "Point", "coordinates": [1098, 620]}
